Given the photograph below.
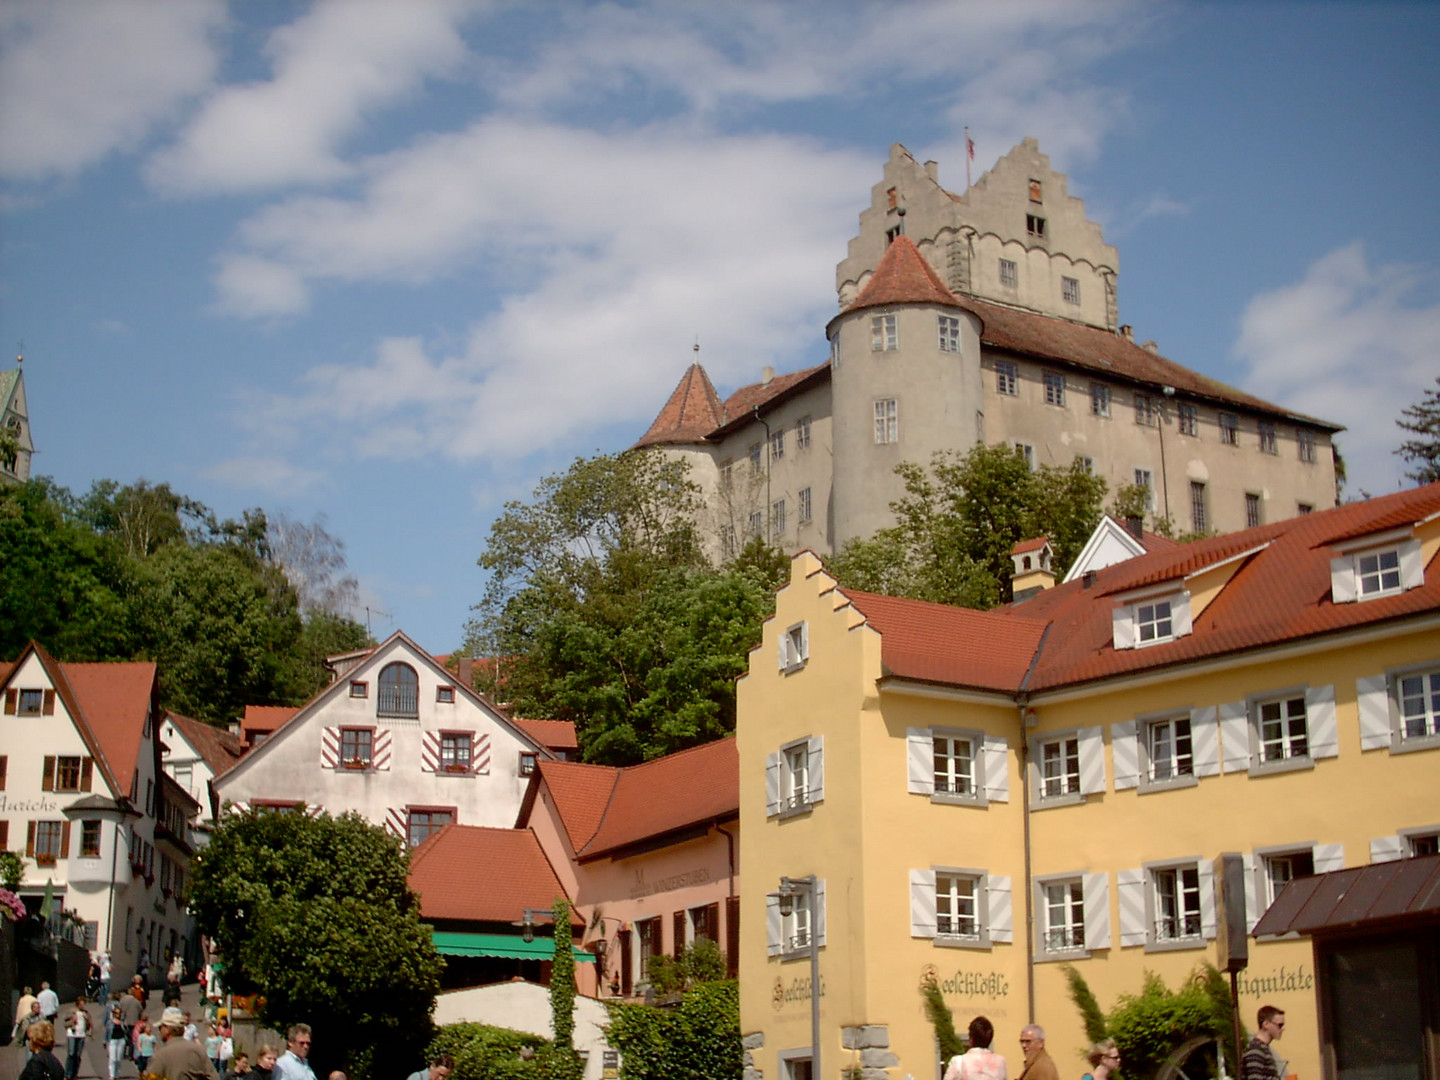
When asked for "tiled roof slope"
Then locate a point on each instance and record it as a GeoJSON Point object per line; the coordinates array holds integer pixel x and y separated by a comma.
{"type": "Point", "coordinates": [1279, 593]}
{"type": "Point", "coordinates": [693, 411]}
{"type": "Point", "coordinates": [741, 405]}
{"type": "Point", "coordinates": [954, 646]}
{"type": "Point", "coordinates": [217, 746]}
{"type": "Point", "coordinates": [1101, 351]}
{"type": "Point", "coordinates": [551, 734]}
{"type": "Point", "coordinates": [580, 793]}
{"type": "Point", "coordinates": [687, 788]}
{"type": "Point", "coordinates": [904, 277]}
{"type": "Point", "coordinates": [266, 717]}
{"type": "Point", "coordinates": [482, 875]}
{"type": "Point", "coordinates": [113, 699]}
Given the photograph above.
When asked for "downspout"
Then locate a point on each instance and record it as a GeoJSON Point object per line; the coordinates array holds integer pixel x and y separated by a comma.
{"type": "Point", "coordinates": [730, 842]}
{"type": "Point", "coordinates": [1022, 702]}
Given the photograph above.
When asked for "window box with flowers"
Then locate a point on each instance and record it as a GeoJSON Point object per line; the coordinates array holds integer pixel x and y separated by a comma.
{"type": "Point", "coordinates": [455, 769]}
{"type": "Point", "coordinates": [355, 763]}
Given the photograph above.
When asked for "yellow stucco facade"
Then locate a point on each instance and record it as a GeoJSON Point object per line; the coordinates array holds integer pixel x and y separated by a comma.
{"type": "Point", "coordinates": [1076, 835]}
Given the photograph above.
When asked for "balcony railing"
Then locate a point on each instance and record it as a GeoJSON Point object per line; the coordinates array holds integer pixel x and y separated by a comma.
{"type": "Point", "coordinates": [399, 700]}
{"type": "Point", "coordinates": [1065, 937]}
{"type": "Point", "coordinates": [1176, 927]}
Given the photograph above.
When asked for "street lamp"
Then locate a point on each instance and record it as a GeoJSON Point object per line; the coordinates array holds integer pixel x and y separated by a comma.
{"type": "Point", "coordinates": [790, 890]}
{"type": "Point", "coordinates": [527, 924]}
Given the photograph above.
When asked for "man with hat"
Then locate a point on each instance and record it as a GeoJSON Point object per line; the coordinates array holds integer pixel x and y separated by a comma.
{"type": "Point", "coordinates": [179, 1058]}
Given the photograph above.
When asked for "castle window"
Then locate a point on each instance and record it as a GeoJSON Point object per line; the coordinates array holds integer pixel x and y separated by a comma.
{"type": "Point", "coordinates": [883, 333]}
{"type": "Point", "coordinates": [1054, 389]}
{"type": "Point", "coordinates": [1027, 451]}
{"type": "Point", "coordinates": [757, 523]}
{"type": "Point", "coordinates": [1199, 518]}
{"type": "Point", "coordinates": [1144, 410]}
{"type": "Point", "coordinates": [949, 334]}
{"type": "Point", "coordinates": [1189, 419]}
{"type": "Point", "coordinates": [805, 504]}
{"type": "Point", "coordinates": [802, 433]}
{"type": "Point", "coordinates": [1146, 479]}
{"type": "Point", "coordinates": [754, 454]}
{"type": "Point", "coordinates": [1229, 429]}
{"type": "Point", "coordinates": [1070, 289]}
{"type": "Point", "coordinates": [1252, 509]}
{"type": "Point", "coordinates": [1035, 226]}
{"type": "Point", "coordinates": [777, 444]}
{"type": "Point", "coordinates": [1301, 509]}
{"type": "Point", "coordinates": [1267, 437]}
{"type": "Point", "coordinates": [1099, 399]}
{"type": "Point", "coordinates": [1035, 191]}
{"type": "Point", "coordinates": [1007, 378]}
{"type": "Point", "coordinates": [1306, 441]}
{"type": "Point", "coordinates": [727, 541]}
{"type": "Point", "coordinates": [1009, 273]}
{"type": "Point", "coordinates": [887, 421]}
{"type": "Point", "coordinates": [777, 519]}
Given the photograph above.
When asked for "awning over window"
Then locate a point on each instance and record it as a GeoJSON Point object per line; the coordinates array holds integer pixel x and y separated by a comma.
{"type": "Point", "coordinates": [509, 946]}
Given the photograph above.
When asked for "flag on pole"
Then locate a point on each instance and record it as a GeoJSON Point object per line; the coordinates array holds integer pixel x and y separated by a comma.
{"type": "Point", "coordinates": [970, 147]}
{"type": "Point", "coordinates": [47, 906]}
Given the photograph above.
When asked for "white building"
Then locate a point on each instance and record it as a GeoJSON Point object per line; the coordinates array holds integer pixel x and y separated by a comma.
{"type": "Point", "coordinates": [398, 739]}
{"type": "Point", "coordinates": [193, 753]}
{"type": "Point", "coordinates": [81, 788]}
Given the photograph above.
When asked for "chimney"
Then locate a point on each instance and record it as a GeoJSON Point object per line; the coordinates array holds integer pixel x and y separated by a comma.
{"type": "Point", "coordinates": [467, 672]}
{"type": "Point", "coordinates": [767, 375]}
{"type": "Point", "coordinates": [932, 170]}
{"type": "Point", "coordinates": [1136, 526]}
{"type": "Point", "coordinates": [1150, 346]}
{"type": "Point", "coordinates": [1127, 332]}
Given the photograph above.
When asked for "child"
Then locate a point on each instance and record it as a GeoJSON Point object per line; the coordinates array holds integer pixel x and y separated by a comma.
{"type": "Point", "coordinates": [212, 1047]}
{"type": "Point", "coordinates": [144, 1045]}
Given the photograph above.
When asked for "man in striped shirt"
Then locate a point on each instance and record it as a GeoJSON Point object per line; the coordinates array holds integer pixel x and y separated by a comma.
{"type": "Point", "coordinates": [1258, 1061]}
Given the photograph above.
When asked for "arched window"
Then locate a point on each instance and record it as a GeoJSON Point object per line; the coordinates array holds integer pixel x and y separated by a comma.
{"type": "Point", "coordinates": [399, 691]}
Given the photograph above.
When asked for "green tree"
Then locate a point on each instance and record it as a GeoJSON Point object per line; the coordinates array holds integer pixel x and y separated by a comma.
{"type": "Point", "coordinates": [604, 611]}
{"type": "Point", "coordinates": [696, 1039]}
{"type": "Point", "coordinates": [959, 519]}
{"type": "Point", "coordinates": [9, 447]}
{"type": "Point", "coordinates": [482, 1052]}
{"type": "Point", "coordinates": [315, 915]}
{"type": "Point", "coordinates": [1422, 420]}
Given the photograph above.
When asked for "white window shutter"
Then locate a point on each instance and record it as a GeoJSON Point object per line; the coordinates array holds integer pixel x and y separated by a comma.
{"type": "Point", "coordinates": [329, 747]}
{"type": "Point", "coordinates": [1097, 911]}
{"type": "Point", "coordinates": [1001, 908]}
{"type": "Point", "coordinates": [772, 926]}
{"type": "Point", "coordinates": [1125, 754]}
{"type": "Point", "coordinates": [815, 767]}
{"type": "Point", "coordinates": [1092, 760]}
{"type": "Point", "coordinates": [1207, 897]}
{"type": "Point", "coordinates": [1329, 857]}
{"type": "Point", "coordinates": [920, 757]}
{"type": "Point", "coordinates": [997, 768]}
{"type": "Point", "coordinates": [1252, 906]}
{"type": "Point", "coordinates": [1320, 719]}
{"type": "Point", "coordinates": [784, 644]}
{"type": "Point", "coordinates": [772, 784]}
{"type": "Point", "coordinates": [922, 903]}
{"type": "Point", "coordinates": [1386, 849]}
{"type": "Point", "coordinates": [804, 641]}
{"type": "Point", "coordinates": [1373, 695]}
{"type": "Point", "coordinates": [1342, 579]}
{"type": "Point", "coordinates": [1130, 889]}
{"type": "Point", "coordinates": [817, 917]}
{"type": "Point", "coordinates": [1235, 736]}
{"type": "Point", "coordinates": [1180, 624]}
{"type": "Point", "coordinates": [1412, 566]}
{"type": "Point", "coordinates": [1124, 627]}
{"type": "Point", "coordinates": [1205, 740]}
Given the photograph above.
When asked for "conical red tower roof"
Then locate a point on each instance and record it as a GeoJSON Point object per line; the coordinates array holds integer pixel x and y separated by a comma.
{"type": "Point", "coordinates": [903, 277]}
{"type": "Point", "coordinates": [693, 411]}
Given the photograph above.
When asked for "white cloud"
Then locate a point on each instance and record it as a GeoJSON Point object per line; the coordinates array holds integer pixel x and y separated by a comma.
{"type": "Point", "coordinates": [80, 81]}
{"type": "Point", "coordinates": [332, 68]}
{"type": "Point", "coordinates": [1353, 343]}
{"type": "Point", "coordinates": [266, 473]}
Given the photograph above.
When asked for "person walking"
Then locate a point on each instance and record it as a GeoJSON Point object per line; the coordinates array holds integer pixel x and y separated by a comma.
{"type": "Point", "coordinates": [144, 1044]}
{"type": "Point", "coordinates": [265, 1059]}
{"type": "Point", "coordinates": [119, 1040]}
{"type": "Point", "coordinates": [77, 1029]}
{"type": "Point", "coordinates": [49, 1003]}
{"type": "Point", "coordinates": [1104, 1058]}
{"type": "Point", "coordinates": [22, 1010]}
{"type": "Point", "coordinates": [179, 1058]}
{"type": "Point", "coordinates": [40, 1036]}
{"type": "Point", "coordinates": [131, 1009]}
{"type": "Point", "coordinates": [294, 1063]}
{"type": "Point", "coordinates": [1038, 1063]}
{"type": "Point", "coordinates": [1258, 1062]}
{"type": "Point", "coordinates": [979, 1062]}
{"type": "Point", "coordinates": [173, 978]}
{"type": "Point", "coordinates": [440, 1068]}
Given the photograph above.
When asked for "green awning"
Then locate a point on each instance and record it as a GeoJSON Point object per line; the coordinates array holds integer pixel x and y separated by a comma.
{"type": "Point", "coordinates": [510, 946]}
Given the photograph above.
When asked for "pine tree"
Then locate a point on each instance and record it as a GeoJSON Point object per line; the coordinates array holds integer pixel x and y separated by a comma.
{"type": "Point", "coordinates": [1423, 452]}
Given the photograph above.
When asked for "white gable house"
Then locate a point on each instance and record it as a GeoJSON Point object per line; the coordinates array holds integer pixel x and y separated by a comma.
{"type": "Point", "coordinates": [400, 741]}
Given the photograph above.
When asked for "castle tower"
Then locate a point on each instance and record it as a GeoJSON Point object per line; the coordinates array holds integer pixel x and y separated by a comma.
{"type": "Point", "coordinates": [15, 422]}
{"type": "Point", "coordinates": [905, 379]}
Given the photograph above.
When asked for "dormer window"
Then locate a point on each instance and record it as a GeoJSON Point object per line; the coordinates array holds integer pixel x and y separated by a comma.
{"type": "Point", "coordinates": [1376, 566]}
{"type": "Point", "coordinates": [1153, 619]}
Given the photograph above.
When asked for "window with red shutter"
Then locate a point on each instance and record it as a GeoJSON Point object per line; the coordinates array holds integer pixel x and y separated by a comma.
{"type": "Point", "coordinates": [47, 777]}
{"type": "Point", "coordinates": [12, 698]}
{"type": "Point", "coordinates": [47, 707]}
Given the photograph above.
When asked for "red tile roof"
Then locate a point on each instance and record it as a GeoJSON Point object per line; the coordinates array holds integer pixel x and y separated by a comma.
{"type": "Point", "coordinates": [741, 405]}
{"type": "Point", "coordinates": [674, 792]}
{"type": "Point", "coordinates": [1029, 545]}
{"type": "Point", "coordinates": [904, 277]}
{"type": "Point", "coordinates": [479, 874]}
{"type": "Point", "coordinates": [693, 411]}
{"type": "Point", "coordinates": [604, 808]}
{"type": "Point", "coordinates": [551, 734]}
{"type": "Point", "coordinates": [265, 718]}
{"type": "Point", "coordinates": [215, 745]}
{"type": "Point", "coordinates": [1279, 593]}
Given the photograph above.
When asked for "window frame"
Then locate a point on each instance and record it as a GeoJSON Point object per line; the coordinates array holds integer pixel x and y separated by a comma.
{"type": "Point", "coordinates": [1155, 874]}
{"type": "Point", "coordinates": [794, 647]}
{"type": "Point", "coordinates": [1305, 445]}
{"type": "Point", "coordinates": [1007, 378]}
{"type": "Point", "coordinates": [784, 799]}
{"type": "Point", "coordinates": [31, 702]}
{"type": "Point", "coordinates": [457, 739]}
{"type": "Point", "coordinates": [1054, 388]}
{"type": "Point", "coordinates": [350, 734]}
{"type": "Point", "coordinates": [1229, 424]}
{"type": "Point", "coordinates": [884, 332]}
{"type": "Point", "coordinates": [1144, 410]}
{"type": "Point", "coordinates": [1291, 759]}
{"type": "Point", "coordinates": [399, 704]}
{"type": "Point", "coordinates": [1381, 702]}
{"type": "Point", "coordinates": [47, 830]}
{"type": "Point", "coordinates": [1070, 290]}
{"type": "Point", "coordinates": [529, 763]}
{"type": "Point", "coordinates": [1187, 419]}
{"type": "Point", "coordinates": [802, 433]}
{"type": "Point", "coordinates": [1269, 860]}
{"type": "Point", "coordinates": [1181, 766]}
{"type": "Point", "coordinates": [1048, 944]}
{"type": "Point", "coordinates": [989, 759]}
{"type": "Point", "coordinates": [1268, 439]}
{"type": "Point", "coordinates": [359, 689]}
{"type": "Point", "coordinates": [91, 838]}
{"type": "Point", "coordinates": [445, 694]}
{"type": "Point", "coordinates": [949, 331]}
{"type": "Point", "coordinates": [1035, 226]}
{"type": "Point", "coordinates": [1146, 478]}
{"type": "Point", "coordinates": [1065, 759]}
{"type": "Point", "coordinates": [804, 509]}
{"type": "Point", "coordinates": [1348, 572]}
{"type": "Point", "coordinates": [1252, 510]}
{"type": "Point", "coordinates": [777, 445]}
{"type": "Point", "coordinates": [1009, 273]}
{"type": "Point", "coordinates": [979, 901]}
{"type": "Point", "coordinates": [1100, 400]}
{"type": "Point", "coordinates": [777, 519]}
{"type": "Point", "coordinates": [431, 827]}
{"type": "Point", "coordinates": [887, 421]}
{"type": "Point", "coordinates": [73, 766]}
{"type": "Point", "coordinates": [1199, 506]}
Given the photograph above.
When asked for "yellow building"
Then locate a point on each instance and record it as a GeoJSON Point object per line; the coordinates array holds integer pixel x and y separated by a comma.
{"type": "Point", "coordinates": [983, 796]}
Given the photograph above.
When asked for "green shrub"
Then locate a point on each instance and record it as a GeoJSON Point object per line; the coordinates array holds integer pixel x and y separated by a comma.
{"type": "Point", "coordinates": [697, 1039]}
{"type": "Point", "coordinates": [482, 1052]}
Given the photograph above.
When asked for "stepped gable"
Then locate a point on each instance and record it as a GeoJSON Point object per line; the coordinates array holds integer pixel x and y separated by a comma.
{"type": "Point", "coordinates": [1092, 349]}
{"type": "Point", "coordinates": [693, 411]}
{"type": "Point", "coordinates": [686, 789]}
{"type": "Point", "coordinates": [516, 874]}
{"type": "Point", "coordinates": [904, 277]}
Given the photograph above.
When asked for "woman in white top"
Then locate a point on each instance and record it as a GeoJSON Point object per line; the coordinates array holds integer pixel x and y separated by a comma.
{"type": "Point", "coordinates": [977, 1063]}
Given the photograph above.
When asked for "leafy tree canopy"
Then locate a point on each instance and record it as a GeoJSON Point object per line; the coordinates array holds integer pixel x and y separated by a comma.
{"type": "Point", "coordinates": [315, 915]}
{"type": "Point", "coordinates": [697, 1039]}
{"type": "Point", "coordinates": [143, 573]}
{"type": "Point", "coordinates": [1422, 453]}
{"type": "Point", "coordinates": [604, 611]}
{"type": "Point", "coordinates": [959, 519]}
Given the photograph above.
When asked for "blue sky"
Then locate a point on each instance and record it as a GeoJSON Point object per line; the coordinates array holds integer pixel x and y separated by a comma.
{"type": "Point", "coordinates": [390, 262]}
